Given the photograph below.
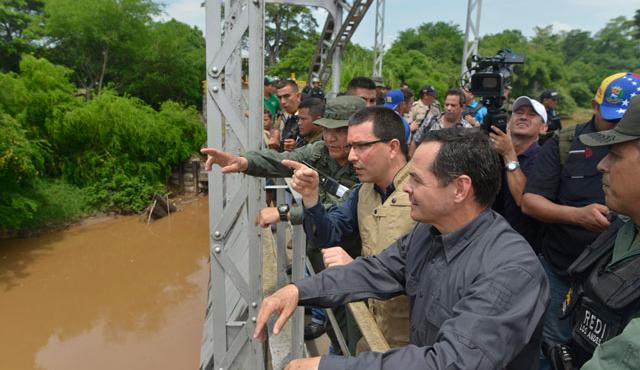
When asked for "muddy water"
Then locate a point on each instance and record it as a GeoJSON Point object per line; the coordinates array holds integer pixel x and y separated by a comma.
{"type": "Point", "coordinates": [114, 294]}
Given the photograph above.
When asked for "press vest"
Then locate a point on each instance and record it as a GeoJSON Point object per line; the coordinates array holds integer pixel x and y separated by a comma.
{"type": "Point", "coordinates": [603, 299]}
{"type": "Point", "coordinates": [380, 225]}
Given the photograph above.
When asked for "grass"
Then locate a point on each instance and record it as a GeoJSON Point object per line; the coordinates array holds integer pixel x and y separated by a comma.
{"type": "Point", "coordinates": [581, 115]}
{"type": "Point", "coordinates": [59, 204]}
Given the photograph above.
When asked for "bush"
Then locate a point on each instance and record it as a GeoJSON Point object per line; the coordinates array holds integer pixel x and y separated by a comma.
{"type": "Point", "coordinates": [122, 149]}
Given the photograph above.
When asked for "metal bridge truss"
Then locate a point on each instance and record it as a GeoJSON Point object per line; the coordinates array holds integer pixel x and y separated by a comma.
{"type": "Point", "coordinates": [378, 47]}
{"type": "Point", "coordinates": [471, 38]}
{"type": "Point", "coordinates": [336, 33]}
{"type": "Point", "coordinates": [235, 280]}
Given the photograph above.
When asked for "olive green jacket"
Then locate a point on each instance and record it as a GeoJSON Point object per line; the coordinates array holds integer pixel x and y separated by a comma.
{"type": "Point", "coordinates": [267, 163]}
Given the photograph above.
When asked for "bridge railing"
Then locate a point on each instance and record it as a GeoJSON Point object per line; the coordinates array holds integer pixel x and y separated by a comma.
{"type": "Point", "coordinates": [295, 235]}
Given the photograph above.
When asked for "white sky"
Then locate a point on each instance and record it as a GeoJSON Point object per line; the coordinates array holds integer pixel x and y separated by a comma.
{"type": "Point", "coordinates": [497, 15]}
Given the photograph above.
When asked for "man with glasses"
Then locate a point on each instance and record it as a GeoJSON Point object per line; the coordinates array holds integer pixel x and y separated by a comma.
{"type": "Point", "coordinates": [378, 210]}
{"type": "Point", "coordinates": [565, 192]}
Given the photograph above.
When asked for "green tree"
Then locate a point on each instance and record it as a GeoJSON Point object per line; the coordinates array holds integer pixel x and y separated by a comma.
{"type": "Point", "coordinates": [97, 37]}
{"type": "Point", "coordinates": [171, 66]}
{"type": "Point", "coordinates": [18, 20]}
{"type": "Point", "coordinates": [429, 53]}
{"type": "Point", "coordinates": [285, 27]}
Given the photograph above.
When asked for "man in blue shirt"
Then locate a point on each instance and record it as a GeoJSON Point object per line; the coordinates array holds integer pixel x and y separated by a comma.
{"type": "Point", "coordinates": [519, 149]}
{"type": "Point", "coordinates": [474, 112]}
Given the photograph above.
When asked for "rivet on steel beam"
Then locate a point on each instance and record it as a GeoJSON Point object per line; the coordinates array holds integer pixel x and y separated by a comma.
{"type": "Point", "coordinates": [253, 319]}
{"type": "Point", "coordinates": [217, 249]}
{"type": "Point", "coordinates": [256, 2]}
{"type": "Point", "coordinates": [215, 89]}
{"type": "Point", "coordinates": [254, 304]}
{"type": "Point", "coordinates": [214, 69]}
{"type": "Point", "coordinates": [217, 234]}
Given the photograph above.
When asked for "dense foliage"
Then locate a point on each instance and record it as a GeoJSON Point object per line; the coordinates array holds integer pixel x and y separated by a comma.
{"type": "Point", "coordinates": [572, 62]}
{"type": "Point", "coordinates": [62, 156]}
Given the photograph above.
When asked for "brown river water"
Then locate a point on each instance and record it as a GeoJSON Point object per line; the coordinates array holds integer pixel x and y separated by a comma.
{"type": "Point", "coordinates": [109, 294]}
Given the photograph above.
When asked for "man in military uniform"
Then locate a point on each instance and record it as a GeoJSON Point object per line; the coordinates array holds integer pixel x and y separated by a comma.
{"type": "Point", "coordinates": [314, 90]}
{"type": "Point", "coordinates": [605, 295]}
{"type": "Point", "coordinates": [378, 210]}
{"type": "Point", "coordinates": [289, 97]}
{"type": "Point", "coordinates": [424, 108]}
{"type": "Point", "coordinates": [550, 99]}
{"type": "Point", "coordinates": [330, 157]}
{"type": "Point", "coordinates": [564, 191]}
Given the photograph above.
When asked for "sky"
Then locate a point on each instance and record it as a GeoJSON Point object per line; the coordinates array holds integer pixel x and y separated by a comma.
{"type": "Point", "coordinates": [496, 15]}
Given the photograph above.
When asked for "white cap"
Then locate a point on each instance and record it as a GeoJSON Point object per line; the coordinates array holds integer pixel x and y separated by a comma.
{"type": "Point", "coordinates": [536, 105]}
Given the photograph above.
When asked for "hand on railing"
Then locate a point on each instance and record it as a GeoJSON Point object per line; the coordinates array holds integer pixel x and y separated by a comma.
{"type": "Point", "coordinates": [335, 256]}
{"type": "Point", "coordinates": [305, 181]}
{"type": "Point", "coordinates": [228, 161]}
{"type": "Point", "coordinates": [310, 363]}
{"type": "Point", "coordinates": [283, 303]}
{"type": "Point", "coordinates": [268, 216]}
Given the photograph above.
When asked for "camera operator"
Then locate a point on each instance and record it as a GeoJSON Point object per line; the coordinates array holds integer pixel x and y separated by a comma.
{"type": "Point", "coordinates": [519, 149]}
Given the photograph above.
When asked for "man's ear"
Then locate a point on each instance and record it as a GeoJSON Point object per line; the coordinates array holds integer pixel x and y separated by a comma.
{"type": "Point", "coordinates": [394, 144]}
{"type": "Point", "coordinates": [463, 188]}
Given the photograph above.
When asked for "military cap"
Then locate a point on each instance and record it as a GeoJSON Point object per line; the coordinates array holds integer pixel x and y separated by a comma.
{"type": "Point", "coordinates": [338, 111]}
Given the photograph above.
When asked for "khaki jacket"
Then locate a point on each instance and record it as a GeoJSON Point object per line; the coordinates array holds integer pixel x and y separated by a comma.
{"type": "Point", "coordinates": [380, 225]}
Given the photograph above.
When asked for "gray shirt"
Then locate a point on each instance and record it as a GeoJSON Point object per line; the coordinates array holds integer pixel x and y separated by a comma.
{"type": "Point", "coordinates": [477, 297]}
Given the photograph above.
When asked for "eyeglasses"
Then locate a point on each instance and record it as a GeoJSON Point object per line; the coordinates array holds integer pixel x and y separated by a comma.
{"type": "Point", "coordinates": [363, 145]}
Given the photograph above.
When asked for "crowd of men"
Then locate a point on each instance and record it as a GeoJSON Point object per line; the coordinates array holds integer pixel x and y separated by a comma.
{"type": "Point", "coordinates": [474, 247]}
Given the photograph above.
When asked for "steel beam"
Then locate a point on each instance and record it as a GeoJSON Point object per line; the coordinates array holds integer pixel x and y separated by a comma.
{"type": "Point", "coordinates": [378, 47]}
{"type": "Point", "coordinates": [471, 37]}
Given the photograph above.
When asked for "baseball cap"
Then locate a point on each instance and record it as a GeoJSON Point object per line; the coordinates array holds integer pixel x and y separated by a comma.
{"type": "Point", "coordinates": [550, 94]}
{"type": "Point", "coordinates": [338, 111]}
{"type": "Point", "coordinates": [427, 90]}
{"type": "Point", "coordinates": [536, 105]}
{"type": "Point", "coordinates": [268, 80]}
{"type": "Point", "coordinates": [378, 81]}
{"type": "Point", "coordinates": [393, 98]}
{"type": "Point", "coordinates": [626, 130]}
{"type": "Point", "coordinates": [614, 93]}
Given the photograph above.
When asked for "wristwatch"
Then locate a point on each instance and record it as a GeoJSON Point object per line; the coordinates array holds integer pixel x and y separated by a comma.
{"type": "Point", "coordinates": [283, 211]}
{"type": "Point", "coordinates": [512, 166]}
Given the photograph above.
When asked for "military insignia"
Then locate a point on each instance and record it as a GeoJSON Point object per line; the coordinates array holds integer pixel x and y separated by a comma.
{"type": "Point", "coordinates": [588, 152]}
{"type": "Point", "coordinates": [615, 96]}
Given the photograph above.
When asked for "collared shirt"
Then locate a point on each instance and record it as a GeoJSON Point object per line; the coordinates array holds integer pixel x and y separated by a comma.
{"type": "Point", "coordinates": [477, 294]}
{"type": "Point", "coordinates": [436, 124]}
{"type": "Point", "coordinates": [627, 243]}
{"type": "Point", "coordinates": [507, 206]}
